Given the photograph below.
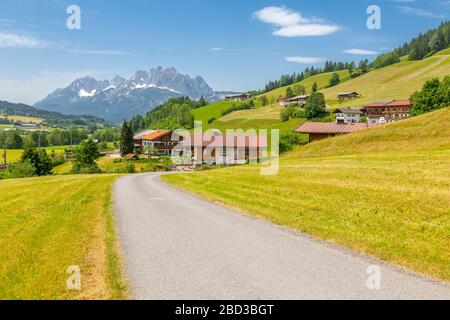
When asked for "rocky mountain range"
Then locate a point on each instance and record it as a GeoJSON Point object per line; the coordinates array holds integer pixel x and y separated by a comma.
{"type": "Point", "coordinates": [119, 98]}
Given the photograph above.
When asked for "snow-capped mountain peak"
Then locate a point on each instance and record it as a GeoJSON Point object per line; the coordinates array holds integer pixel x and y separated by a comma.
{"type": "Point", "coordinates": [120, 98]}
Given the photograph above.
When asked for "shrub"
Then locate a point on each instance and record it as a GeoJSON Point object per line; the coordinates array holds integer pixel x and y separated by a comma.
{"type": "Point", "coordinates": [289, 141]}
{"type": "Point", "coordinates": [22, 169]}
{"type": "Point", "coordinates": [435, 94]}
{"type": "Point", "coordinates": [211, 120]}
{"type": "Point", "coordinates": [84, 157]}
{"type": "Point", "coordinates": [58, 161]}
{"type": "Point", "coordinates": [41, 162]}
{"type": "Point", "coordinates": [86, 169]}
{"type": "Point", "coordinates": [130, 168]}
{"type": "Point", "coordinates": [244, 106]}
{"type": "Point", "coordinates": [315, 106]}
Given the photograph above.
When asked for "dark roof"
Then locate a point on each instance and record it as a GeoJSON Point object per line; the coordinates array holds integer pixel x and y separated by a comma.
{"type": "Point", "coordinates": [348, 93]}
{"type": "Point", "coordinates": [332, 127]}
{"type": "Point", "coordinates": [237, 95]}
{"type": "Point", "coordinates": [348, 111]}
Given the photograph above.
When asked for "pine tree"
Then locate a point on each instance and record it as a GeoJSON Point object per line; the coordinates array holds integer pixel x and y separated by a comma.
{"type": "Point", "coordinates": [437, 42]}
{"type": "Point", "coordinates": [314, 87]}
{"type": "Point", "coordinates": [126, 139]}
{"type": "Point", "coordinates": [335, 80]}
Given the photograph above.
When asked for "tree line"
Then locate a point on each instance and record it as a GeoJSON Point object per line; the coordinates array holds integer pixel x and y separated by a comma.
{"type": "Point", "coordinates": [18, 139]}
{"type": "Point", "coordinates": [421, 47]}
{"type": "Point", "coordinates": [330, 66]}
{"type": "Point", "coordinates": [174, 114]}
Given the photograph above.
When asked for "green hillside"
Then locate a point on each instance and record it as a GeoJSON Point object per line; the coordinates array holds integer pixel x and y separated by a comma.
{"type": "Point", "coordinates": [213, 110]}
{"type": "Point", "coordinates": [383, 192]}
{"type": "Point", "coordinates": [397, 81]}
{"type": "Point", "coordinates": [267, 117]}
{"type": "Point", "coordinates": [26, 113]}
{"type": "Point", "coordinates": [322, 81]}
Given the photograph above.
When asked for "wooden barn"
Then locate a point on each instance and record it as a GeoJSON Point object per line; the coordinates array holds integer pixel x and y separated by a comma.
{"type": "Point", "coordinates": [323, 130]}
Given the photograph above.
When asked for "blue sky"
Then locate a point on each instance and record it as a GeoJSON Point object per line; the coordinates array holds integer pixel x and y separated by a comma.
{"type": "Point", "coordinates": [235, 44]}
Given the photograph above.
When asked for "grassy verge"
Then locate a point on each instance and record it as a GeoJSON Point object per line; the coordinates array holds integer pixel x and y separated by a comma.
{"type": "Point", "coordinates": [109, 165]}
{"type": "Point", "coordinates": [383, 192]}
{"type": "Point", "coordinates": [48, 224]}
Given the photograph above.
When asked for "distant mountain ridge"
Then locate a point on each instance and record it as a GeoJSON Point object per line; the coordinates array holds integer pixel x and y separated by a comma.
{"type": "Point", "coordinates": [119, 98]}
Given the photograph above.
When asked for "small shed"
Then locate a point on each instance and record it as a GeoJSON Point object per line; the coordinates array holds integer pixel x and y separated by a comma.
{"type": "Point", "coordinates": [348, 95]}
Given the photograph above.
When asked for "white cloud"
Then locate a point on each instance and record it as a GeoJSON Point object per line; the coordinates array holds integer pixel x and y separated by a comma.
{"type": "Point", "coordinates": [306, 30]}
{"type": "Point", "coordinates": [98, 52]}
{"type": "Point", "coordinates": [361, 52]}
{"type": "Point", "coordinates": [420, 12]}
{"type": "Point", "coordinates": [216, 49]}
{"type": "Point", "coordinates": [304, 60]}
{"type": "Point", "coordinates": [290, 23]}
{"type": "Point", "coordinates": [14, 40]}
{"type": "Point", "coordinates": [279, 16]}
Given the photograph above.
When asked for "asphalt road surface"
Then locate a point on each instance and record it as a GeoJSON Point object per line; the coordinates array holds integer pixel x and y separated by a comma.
{"type": "Point", "coordinates": [178, 246]}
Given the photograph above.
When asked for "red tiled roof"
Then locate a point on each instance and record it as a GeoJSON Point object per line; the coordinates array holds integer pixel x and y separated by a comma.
{"type": "Point", "coordinates": [400, 103]}
{"type": "Point", "coordinates": [131, 156]}
{"type": "Point", "coordinates": [377, 104]}
{"type": "Point", "coordinates": [332, 127]}
{"type": "Point", "coordinates": [393, 103]}
{"type": "Point", "coordinates": [156, 135]}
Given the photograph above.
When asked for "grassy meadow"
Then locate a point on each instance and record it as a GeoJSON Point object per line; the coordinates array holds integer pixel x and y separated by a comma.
{"type": "Point", "coordinates": [14, 155]}
{"type": "Point", "coordinates": [48, 224]}
{"type": "Point", "coordinates": [213, 110]}
{"type": "Point", "coordinates": [322, 81]}
{"type": "Point", "coordinates": [23, 119]}
{"type": "Point", "coordinates": [398, 81]}
{"type": "Point", "coordinates": [383, 192]}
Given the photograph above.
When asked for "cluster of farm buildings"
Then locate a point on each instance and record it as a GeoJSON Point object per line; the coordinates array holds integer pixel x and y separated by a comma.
{"type": "Point", "coordinates": [220, 149]}
{"type": "Point", "coordinates": [212, 148]}
{"type": "Point", "coordinates": [350, 120]}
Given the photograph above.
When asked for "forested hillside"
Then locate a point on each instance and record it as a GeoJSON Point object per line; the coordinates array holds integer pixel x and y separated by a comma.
{"type": "Point", "coordinates": [51, 118]}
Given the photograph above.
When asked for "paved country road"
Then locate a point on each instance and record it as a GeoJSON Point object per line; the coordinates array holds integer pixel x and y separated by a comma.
{"type": "Point", "coordinates": [178, 246]}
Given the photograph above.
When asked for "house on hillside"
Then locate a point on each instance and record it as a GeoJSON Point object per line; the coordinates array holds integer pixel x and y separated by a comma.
{"type": "Point", "coordinates": [207, 148]}
{"type": "Point", "coordinates": [238, 97]}
{"type": "Point", "coordinates": [161, 141]}
{"type": "Point", "coordinates": [388, 111]}
{"type": "Point", "coordinates": [224, 149]}
{"type": "Point", "coordinates": [347, 115]}
{"type": "Point", "coordinates": [138, 139]}
{"type": "Point", "coordinates": [348, 95]}
{"type": "Point", "coordinates": [299, 101]}
{"type": "Point", "coordinates": [323, 130]}
{"type": "Point", "coordinates": [26, 126]}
